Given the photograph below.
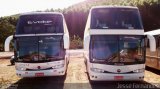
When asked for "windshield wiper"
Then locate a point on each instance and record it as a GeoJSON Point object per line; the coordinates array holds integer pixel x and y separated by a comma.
{"type": "Point", "coordinates": [109, 59]}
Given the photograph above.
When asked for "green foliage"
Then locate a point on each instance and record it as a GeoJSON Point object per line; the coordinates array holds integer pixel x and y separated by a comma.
{"type": "Point", "coordinates": [7, 28]}
{"type": "Point", "coordinates": [76, 17]}
{"type": "Point", "coordinates": [76, 42]}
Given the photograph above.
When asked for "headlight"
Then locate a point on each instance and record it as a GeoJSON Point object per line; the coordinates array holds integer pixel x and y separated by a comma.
{"type": "Point", "coordinates": [96, 60]}
{"type": "Point", "coordinates": [20, 68]}
{"type": "Point", "coordinates": [58, 66]}
{"type": "Point", "coordinates": [97, 70]}
{"type": "Point", "coordinates": [139, 70]}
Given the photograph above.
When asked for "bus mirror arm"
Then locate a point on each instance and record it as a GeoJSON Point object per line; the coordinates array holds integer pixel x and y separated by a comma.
{"type": "Point", "coordinates": [152, 42]}
{"type": "Point", "coordinates": [86, 42]}
{"type": "Point", "coordinates": [7, 43]}
{"type": "Point", "coordinates": [66, 41]}
{"type": "Point", "coordinates": [14, 36]}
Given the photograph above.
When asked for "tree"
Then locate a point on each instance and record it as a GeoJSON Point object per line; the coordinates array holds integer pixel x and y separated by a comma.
{"type": "Point", "coordinates": [6, 29]}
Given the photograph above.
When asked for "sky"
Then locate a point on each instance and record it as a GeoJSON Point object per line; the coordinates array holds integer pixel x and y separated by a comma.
{"type": "Point", "coordinates": [11, 7]}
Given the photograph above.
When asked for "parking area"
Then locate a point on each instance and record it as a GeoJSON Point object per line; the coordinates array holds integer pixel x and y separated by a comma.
{"type": "Point", "coordinates": [75, 78]}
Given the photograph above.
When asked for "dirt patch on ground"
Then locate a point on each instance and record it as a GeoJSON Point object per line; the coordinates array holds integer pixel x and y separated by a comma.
{"type": "Point", "coordinates": [76, 78]}
{"type": "Point", "coordinates": [7, 73]}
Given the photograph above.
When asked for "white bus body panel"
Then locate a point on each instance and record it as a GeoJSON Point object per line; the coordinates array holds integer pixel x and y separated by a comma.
{"type": "Point", "coordinates": [20, 69]}
{"type": "Point", "coordinates": [43, 68]}
{"type": "Point", "coordinates": [95, 76]}
{"type": "Point", "coordinates": [113, 69]}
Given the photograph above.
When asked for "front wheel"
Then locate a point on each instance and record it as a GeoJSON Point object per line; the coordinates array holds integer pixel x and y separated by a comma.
{"type": "Point", "coordinates": [12, 62]}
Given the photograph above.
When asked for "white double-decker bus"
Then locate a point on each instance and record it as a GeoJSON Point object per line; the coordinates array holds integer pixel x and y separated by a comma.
{"type": "Point", "coordinates": [153, 58]}
{"type": "Point", "coordinates": [114, 44]}
{"type": "Point", "coordinates": [41, 42]}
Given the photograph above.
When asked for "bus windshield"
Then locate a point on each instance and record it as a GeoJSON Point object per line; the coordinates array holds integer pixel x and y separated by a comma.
{"type": "Point", "coordinates": [45, 23]}
{"type": "Point", "coordinates": [117, 49]}
{"type": "Point", "coordinates": [115, 18]}
{"type": "Point", "coordinates": [40, 48]}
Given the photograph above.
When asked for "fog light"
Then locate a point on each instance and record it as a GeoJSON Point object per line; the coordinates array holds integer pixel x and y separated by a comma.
{"type": "Point", "coordinates": [97, 70]}
{"type": "Point", "coordinates": [55, 71]}
{"type": "Point", "coordinates": [141, 77]}
{"type": "Point", "coordinates": [58, 66]}
{"type": "Point", "coordinates": [139, 70]}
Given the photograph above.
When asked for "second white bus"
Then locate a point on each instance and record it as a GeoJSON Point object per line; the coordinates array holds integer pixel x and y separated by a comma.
{"type": "Point", "coordinates": [114, 44]}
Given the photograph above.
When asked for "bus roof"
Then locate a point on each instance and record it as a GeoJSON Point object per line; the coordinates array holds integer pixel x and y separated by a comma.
{"type": "Point", "coordinates": [154, 32]}
{"type": "Point", "coordinates": [36, 13]}
{"type": "Point", "coordinates": [114, 6]}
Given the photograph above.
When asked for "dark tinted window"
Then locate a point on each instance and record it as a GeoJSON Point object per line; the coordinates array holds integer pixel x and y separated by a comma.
{"type": "Point", "coordinates": [110, 49]}
{"type": "Point", "coordinates": [103, 47]}
{"type": "Point", "coordinates": [32, 24]}
{"type": "Point", "coordinates": [115, 18]}
{"type": "Point", "coordinates": [40, 49]}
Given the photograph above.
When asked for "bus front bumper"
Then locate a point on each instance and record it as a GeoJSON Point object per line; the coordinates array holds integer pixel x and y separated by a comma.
{"type": "Point", "coordinates": [42, 73]}
{"type": "Point", "coordinates": [116, 77]}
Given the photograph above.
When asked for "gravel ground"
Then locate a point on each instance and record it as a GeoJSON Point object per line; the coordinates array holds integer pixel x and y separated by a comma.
{"type": "Point", "coordinates": [5, 54]}
{"type": "Point", "coordinates": [76, 78]}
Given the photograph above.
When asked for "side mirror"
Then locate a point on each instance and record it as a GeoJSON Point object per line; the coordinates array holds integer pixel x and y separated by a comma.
{"type": "Point", "coordinates": [14, 36]}
{"type": "Point", "coordinates": [7, 43]}
{"type": "Point", "coordinates": [66, 41]}
{"type": "Point", "coordinates": [12, 60]}
{"type": "Point", "coordinates": [152, 42]}
{"type": "Point", "coordinates": [86, 42]}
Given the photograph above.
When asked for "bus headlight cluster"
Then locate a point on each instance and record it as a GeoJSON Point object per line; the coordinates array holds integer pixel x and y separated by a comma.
{"type": "Point", "coordinates": [20, 68]}
{"type": "Point", "coordinates": [139, 70]}
{"type": "Point", "coordinates": [97, 70]}
{"type": "Point", "coordinates": [58, 66]}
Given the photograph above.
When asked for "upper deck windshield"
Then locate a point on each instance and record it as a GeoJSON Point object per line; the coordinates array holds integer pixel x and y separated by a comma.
{"type": "Point", "coordinates": [115, 18]}
{"type": "Point", "coordinates": [40, 23]}
{"type": "Point", "coordinates": [117, 49]}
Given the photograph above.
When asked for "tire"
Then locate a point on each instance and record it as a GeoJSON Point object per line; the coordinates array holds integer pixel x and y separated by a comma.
{"type": "Point", "coordinates": [12, 62]}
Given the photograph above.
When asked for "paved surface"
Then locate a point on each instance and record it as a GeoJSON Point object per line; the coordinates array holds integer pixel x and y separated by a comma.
{"type": "Point", "coordinates": [76, 78]}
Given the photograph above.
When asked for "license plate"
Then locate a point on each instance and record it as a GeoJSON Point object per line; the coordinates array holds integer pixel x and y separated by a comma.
{"type": "Point", "coordinates": [39, 74]}
{"type": "Point", "coordinates": [118, 77]}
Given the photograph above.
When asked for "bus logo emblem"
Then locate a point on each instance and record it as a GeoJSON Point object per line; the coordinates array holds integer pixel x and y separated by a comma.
{"type": "Point", "coordinates": [38, 67]}
{"type": "Point", "coordinates": [118, 70]}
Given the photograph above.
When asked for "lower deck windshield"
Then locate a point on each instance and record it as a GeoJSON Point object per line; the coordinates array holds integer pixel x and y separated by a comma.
{"type": "Point", "coordinates": [117, 49]}
{"type": "Point", "coordinates": [39, 48]}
